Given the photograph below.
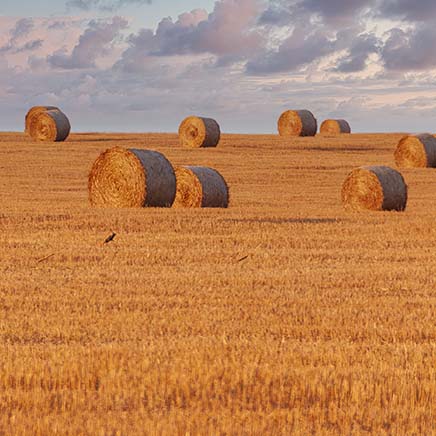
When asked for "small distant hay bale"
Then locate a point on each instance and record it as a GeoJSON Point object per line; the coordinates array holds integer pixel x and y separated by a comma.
{"type": "Point", "coordinates": [335, 127]}
{"type": "Point", "coordinates": [378, 188]}
{"type": "Point", "coordinates": [200, 187]}
{"type": "Point", "coordinates": [51, 126]}
{"type": "Point", "coordinates": [297, 123]}
{"type": "Point", "coordinates": [34, 111]}
{"type": "Point", "coordinates": [131, 178]}
{"type": "Point", "coordinates": [416, 152]}
{"type": "Point", "coordinates": [199, 132]}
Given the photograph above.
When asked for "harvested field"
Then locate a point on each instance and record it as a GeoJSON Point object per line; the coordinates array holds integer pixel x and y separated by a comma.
{"type": "Point", "coordinates": [283, 314]}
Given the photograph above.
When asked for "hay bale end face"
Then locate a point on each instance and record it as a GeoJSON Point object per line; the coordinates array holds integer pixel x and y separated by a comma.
{"type": "Point", "coordinates": [297, 123]}
{"type": "Point", "coordinates": [335, 127]}
{"type": "Point", "coordinates": [34, 111]}
{"type": "Point", "coordinates": [52, 126]}
{"type": "Point", "coordinates": [200, 187]}
{"type": "Point", "coordinates": [377, 188]}
{"type": "Point", "coordinates": [131, 178]}
{"type": "Point", "coordinates": [199, 132]}
{"type": "Point", "coordinates": [416, 152]}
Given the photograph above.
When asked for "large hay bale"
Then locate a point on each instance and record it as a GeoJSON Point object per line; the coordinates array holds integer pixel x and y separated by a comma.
{"type": "Point", "coordinates": [374, 188]}
{"type": "Point", "coordinates": [297, 123]}
{"type": "Point", "coordinates": [334, 127]}
{"type": "Point", "coordinates": [34, 111]}
{"type": "Point", "coordinates": [200, 187]}
{"type": "Point", "coordinates": [199, 132]}
{"type": "Point", "coordinates": [416, 152]}
{"type": "Point", "coordinates": [131, 178]}
{"type": "Point", "coordinates": [51, 125]}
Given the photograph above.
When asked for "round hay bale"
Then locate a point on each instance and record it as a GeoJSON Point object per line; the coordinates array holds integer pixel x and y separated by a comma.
{"type": "Point", "coordinates": [34, 111]}
{"type": "Point", "coordinates": [52, 125]}
{"type": "Point", "coordinates": [335, 127]}
{"type": "Point", "coordinates": [297, 123]}
{"type": "Point", "coordinates": [416, 152]}
{"type": "Point", "coordinates": [131, 178]}
{"type": "Point", "coordinates": [374, 188]}
{"type": "Point", "coordinates": [199, 132]}
{"type": "Point", "coordinates": [200, 187]}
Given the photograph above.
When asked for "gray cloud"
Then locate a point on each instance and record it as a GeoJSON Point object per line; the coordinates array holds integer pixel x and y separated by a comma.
{"type": "Point", "coordinates": [103, 5]}
{"type": "Point", "coordinates": [422, 10]}
{"type": "Point", "coordinates": [410, 51]}
{"type": "Point", "coordinates": [361, 48]}
{"type": "Point", "coordinates": [94, 42]}
{"type": "Point", "coordinates": [296, 51]}
{"type": "Point", "coordinates": [228, 32]}
{"type": "Point", "coordinates": [21, 29]}
{"type": "Point", "coordinates": [335, 11]}
{"type": "Point", "coordinates": [332, 12]}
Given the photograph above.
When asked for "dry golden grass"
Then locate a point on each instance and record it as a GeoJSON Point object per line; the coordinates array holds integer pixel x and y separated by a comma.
{"type": "Point", "coordinates": [326, 327]}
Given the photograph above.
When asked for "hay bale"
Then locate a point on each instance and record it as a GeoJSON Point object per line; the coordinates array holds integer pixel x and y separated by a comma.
{"type": "Point", "coordinates": [131, 178]}
{"type": "Point", "coordinates": [335, 127]}
{"type": "Point", "coordinates": [200, 187]}
{"type": "Point", "coordinates": [199, 132]}
{"type": "Point", "coordinates": [34, 111]}
{"type": "Point", "coordinates": [52, 125]}
{"type": "Point", "coordinates": [297, 123]}
{"type": "Point", "coordinates": [416, 152]}
{"type": "Point", "coordinates": [374, 188]}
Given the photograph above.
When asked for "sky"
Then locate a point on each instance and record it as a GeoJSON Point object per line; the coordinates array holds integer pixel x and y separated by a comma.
{"type": "Point", "coordinates": [144, 65]}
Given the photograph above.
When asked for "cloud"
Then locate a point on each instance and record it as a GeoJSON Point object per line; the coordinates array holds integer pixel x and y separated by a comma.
{"type": "Point", "coordinates": [361, 48]}
{"type": "Point", "coordinates": [412, 50]}
{"type": "Point", "coordinates": [94, 43]}
{"type": "Point", "coordinates": [422, 10]}
{"type": "Point", "coordinates": [103, 5]}
{"type": "Point", "coordinates": [340, 12]}
{"type": "Point", "coordinates": [21, 29]}
{"type": "Point", "coordinates": [228, 33]}
{"type": "Point", "coordinates": [297, 50]}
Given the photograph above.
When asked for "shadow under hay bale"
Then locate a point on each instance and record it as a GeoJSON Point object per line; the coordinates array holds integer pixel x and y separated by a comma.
{"type": "Point", "coordinates": [33, 112]}
{"type": "Point", "coordinates": [297, 123]}
{"type": "Point", "coordinates": [197, 132]}
{"type": "Point", "coordinates": [377, 188]}
{"type": "Point", "coordinates": [131, 178]}
{"type": "Point", "coordinates": [200, 187]}
{"type": "Point", "coordinates": [49, 126]}
{"type": "Point", "coordinates": [335, 127]}
{"type": "Point", "coordinates": [416, 152]}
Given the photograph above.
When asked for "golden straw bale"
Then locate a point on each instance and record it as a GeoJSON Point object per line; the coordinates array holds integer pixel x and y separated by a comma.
{"type": "Point", "coordinates": [131, 178]}
{"type": "Point", "coordinates": [52, 125]}
{"type": "Point", "coordinates": [199, 132]}
{"type": "Point", "coordinates": [34, 111]}
{"type": "Point", "coordinates": [374, 188]}
{"type": "Point", "coordinates": [335, 127]}
{"type": "Point", "coordinates": [200, 187]}
{"type": "Point", "coordinates": [297, 123]}
{"type": "Point", "coordinates": [416, 152]}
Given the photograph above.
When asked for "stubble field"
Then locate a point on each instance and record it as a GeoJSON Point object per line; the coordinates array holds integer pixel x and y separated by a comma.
{"type": "Point", "coordinates": [283, 314]}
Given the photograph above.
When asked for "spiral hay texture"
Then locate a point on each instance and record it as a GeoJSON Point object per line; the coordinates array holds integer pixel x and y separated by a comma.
{"type": "Point", "coordinates": [297, 123]}
{"type": "Point", "coordinates": [200, 187]}
{"type": "Point", "coordinates": [131, 178]}
{"type": "Point", "coordinates": [416, 152]}
{"type": "Point", "coordinates": [33, 112]}
{"type": "Point", "coordinates": [334, 127]}
{"type": "Point", "coordinates": [199, 132]}
{"type": "Point", "coordinates": [49, 125]}
{"type": "Point", "coordinates": [377, 188]}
